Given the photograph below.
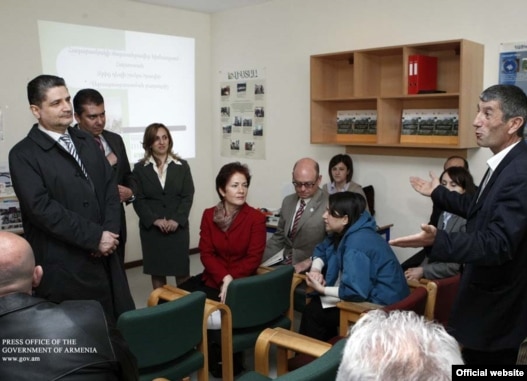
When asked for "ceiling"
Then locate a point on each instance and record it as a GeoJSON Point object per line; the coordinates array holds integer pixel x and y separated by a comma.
{"type": "Point", "coordinates": [205, 6]}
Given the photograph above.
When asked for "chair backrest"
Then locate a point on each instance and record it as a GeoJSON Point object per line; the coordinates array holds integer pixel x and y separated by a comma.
{"type": "Point", "coordinates": [446, 294]}
{"type": "Point", "coordinates": [258, 299]}
{"type": "Point", "coordinates": [370, 198]}
{"type": "Point", "coordinates": [416, 302]}
{"type": "Point", "coordinates": [159, 334]}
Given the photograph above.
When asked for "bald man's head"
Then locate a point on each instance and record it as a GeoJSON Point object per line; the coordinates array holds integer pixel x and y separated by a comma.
{"type": "Point", "coordinates": [17, 265]}
{"type": "Point", "coordinates": [306, 177]}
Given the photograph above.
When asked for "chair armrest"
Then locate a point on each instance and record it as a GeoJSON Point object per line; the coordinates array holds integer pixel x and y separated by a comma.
{"type": "Point", "coordinates": [413, 284]}
{"type": "Point", "coordinates": [263, 269]}
{"type": "Point", "coordinates": [350, 312]}
{"type": "Point", "coordinates": [167, 293]}
{"type": "Point", "coordinates": [285, 341]}
{"type": "Point", "coordinates": [299, 278]}
{"type": "Point", "coordinates": [431, 288]}
{"type": "Point", "coordinates": [210, 307]}
{"type": "Point", "coordinates": [226, 335]}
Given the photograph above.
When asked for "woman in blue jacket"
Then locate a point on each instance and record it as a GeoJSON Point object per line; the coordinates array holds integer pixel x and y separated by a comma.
{"type": "Point", "coordinates": [359, 266]}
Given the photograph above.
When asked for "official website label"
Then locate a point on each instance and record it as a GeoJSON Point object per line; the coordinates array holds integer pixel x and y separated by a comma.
{"type": "Point", "coordinates": [460, 372]}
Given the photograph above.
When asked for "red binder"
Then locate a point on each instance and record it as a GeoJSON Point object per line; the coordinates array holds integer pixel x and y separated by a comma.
{"type": "Point", "coordinates": [422, 74]}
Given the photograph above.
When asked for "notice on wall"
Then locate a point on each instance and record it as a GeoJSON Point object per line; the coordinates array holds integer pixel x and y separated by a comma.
{"type": "Point", "coordinates": [513, 64]}
{"type": "Point", "coordinates": [242, 113]}
{"type": "Point", "coordinates": [10, 215]}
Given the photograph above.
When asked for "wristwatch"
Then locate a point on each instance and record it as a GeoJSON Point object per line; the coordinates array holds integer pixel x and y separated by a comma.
{"type": "Point", "coordinates": [131, 199]}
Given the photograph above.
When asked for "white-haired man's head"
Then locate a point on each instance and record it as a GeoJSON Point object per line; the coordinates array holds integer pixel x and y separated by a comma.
{"type": "Point", "coordinates": [398, 346]}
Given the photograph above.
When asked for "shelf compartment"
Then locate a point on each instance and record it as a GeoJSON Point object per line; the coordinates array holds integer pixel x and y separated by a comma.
{"type": "Point", "coordinates": [324, 121]}
{"type": "Point", "coordinates": [379, 72]}
{"type": "Point", "coordinates": [332, 76]}
{"type": "Point", "coordinates": [448, 64]}
{"type": "Point", "coordinates": [390, 112]}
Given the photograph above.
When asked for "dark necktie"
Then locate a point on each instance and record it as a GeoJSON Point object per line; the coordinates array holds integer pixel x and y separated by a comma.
{"type": "Point", "coordinates": [484, 183]}
{"type": "Point", "coordinates": [297, 218]}
{"type": "Point", "coordinates": [99, 142]}
{"type": "Point", "coordinates": [73, 152]}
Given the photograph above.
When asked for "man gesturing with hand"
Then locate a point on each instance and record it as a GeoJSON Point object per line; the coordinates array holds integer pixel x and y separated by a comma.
{"type": "Point", "coordinates": [489, 316]}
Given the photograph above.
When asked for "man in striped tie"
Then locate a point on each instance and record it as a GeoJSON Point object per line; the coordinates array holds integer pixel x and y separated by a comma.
{"type": "Point", "coordinates": [300, 227]}
{"type": "Point", "coordinates": [69, 204]}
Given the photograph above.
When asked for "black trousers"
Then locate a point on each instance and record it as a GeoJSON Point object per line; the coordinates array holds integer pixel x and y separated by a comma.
{"type": "Point", "coordinates": [195, 283]}
{"type": "Point", "coordinates": [415, 260]}
{"type": "Point", "coordinates": [499, 357]}
{"type": "Point", "coordinates": [319, 323]}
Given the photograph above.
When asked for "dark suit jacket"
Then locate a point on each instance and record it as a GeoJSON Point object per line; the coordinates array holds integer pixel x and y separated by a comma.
{"type": "Point", "coordinates": [164, 254]}
{"type": "Point", "coordinates": [64, 215]}
{"type": "Point", "coordinates": [310, 230]}
{"type": "Point", "coordinates": [490, 312]}
{"type": "Point", "coordinates": [122, 171]}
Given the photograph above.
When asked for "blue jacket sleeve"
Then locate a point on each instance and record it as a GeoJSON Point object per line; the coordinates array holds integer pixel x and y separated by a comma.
{"type": "Point", "coordinates": [355, 283]}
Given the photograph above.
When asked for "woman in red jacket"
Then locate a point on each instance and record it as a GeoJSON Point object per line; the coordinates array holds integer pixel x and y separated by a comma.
{"type": "Point", "coordinates": [232, 235]}
{"type": "Point", "coordinates": [231, 244]}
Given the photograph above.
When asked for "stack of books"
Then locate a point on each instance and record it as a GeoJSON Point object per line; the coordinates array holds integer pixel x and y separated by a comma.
{"type": "Point", "coordinates": [439, 126]}
{"type": "Point", "coordinates": [357, 122]}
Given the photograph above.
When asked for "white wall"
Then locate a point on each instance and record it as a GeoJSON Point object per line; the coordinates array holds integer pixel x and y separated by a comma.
{"type": "Point", "coordinates": [280, 36]}
{"type": "Point", "coordinates": [20, 62]}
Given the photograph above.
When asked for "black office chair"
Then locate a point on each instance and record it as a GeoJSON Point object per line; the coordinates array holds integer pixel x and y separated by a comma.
{"type": "Point", "coordinates": [370, 198]}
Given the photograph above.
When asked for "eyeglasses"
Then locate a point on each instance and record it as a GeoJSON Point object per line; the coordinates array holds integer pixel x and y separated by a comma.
{"type": "Point", "coordinates": [299, 185]}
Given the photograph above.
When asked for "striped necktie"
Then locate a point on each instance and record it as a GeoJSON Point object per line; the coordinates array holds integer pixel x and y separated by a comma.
{"type": "Point", "coordinates": [297, 218]}
{"type": "Point", "coordinates": [73, 152]}
{"type": "Point", "coordinates": [99, 142]}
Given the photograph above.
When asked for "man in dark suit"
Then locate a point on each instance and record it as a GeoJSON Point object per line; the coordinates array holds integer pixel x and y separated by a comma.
{"type": "Point", "coordinates": [298, 242]}
{"type": "Point", "coordinates": [69, 204]}
{"type": "Point", "coordinates": [489, 317]}
{"type": "Point", "coordinates": [71, 340]}
{"type": "Point", "coordinates": [90, 115]}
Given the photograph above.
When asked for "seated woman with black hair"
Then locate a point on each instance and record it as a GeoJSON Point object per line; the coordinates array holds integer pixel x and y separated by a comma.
{"type": "Point", "coordinates": [455, 179]}
{"type": "Point", "coordinates": [359, 266]}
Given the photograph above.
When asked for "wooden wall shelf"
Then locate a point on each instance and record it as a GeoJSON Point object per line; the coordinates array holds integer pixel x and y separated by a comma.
{"type": "Point", "coordinates": [377, 79]}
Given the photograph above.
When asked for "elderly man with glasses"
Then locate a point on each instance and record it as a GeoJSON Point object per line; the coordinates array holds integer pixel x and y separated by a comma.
{"type": "Point", "coordinates": [300, 227]}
